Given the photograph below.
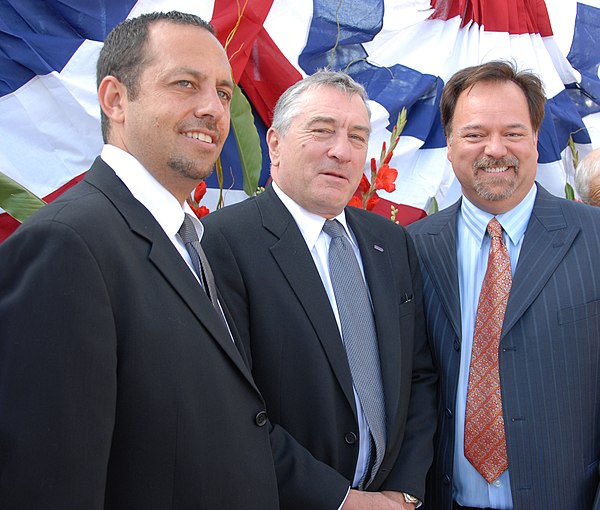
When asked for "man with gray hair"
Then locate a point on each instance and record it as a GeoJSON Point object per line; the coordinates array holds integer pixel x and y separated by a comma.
{"type": "Point", "coordinates": [587, 178]}
{"type": "Point", "coordinates": [327, 300]}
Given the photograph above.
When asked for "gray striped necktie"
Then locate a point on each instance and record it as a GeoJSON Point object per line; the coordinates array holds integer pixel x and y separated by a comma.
{"type": "Point", "coordinates": [189, 236]}
{"type": "Point", "coordinates": [359, 335]}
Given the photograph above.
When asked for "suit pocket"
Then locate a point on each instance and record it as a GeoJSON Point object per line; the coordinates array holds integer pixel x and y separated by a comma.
{"type": "Point", "coordinates": [579, 312]}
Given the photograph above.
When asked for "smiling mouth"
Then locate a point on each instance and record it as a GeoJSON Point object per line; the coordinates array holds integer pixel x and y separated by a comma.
{"type": "Point", "coordinates": [495, 169]}
{"type": "Point", "coordinates": [198, 136]}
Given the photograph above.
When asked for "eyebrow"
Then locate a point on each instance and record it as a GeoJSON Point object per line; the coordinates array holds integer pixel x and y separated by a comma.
{"type": "Point", "coordinates": [515, 125]}
{"type": "Point", "coordinates": [330, 120]}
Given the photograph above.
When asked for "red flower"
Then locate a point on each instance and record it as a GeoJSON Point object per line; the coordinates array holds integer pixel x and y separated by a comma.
{"type": "Point", "coordinates": [364, 185]}
{"type": "Point", "coordinates": [201, 211]}
{"type": "Point", "coordinates": [355, 202]}
{"type": "Point", "coordinates": [199, 192]}
{"type": "Point", "coordinates": [386, 178]}
{"type": "Point", "coordinates": [372, 202]}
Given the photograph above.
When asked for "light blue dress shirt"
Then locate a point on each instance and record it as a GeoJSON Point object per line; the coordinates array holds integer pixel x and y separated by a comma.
{"type": "Point", "coordinates": [473, 246]}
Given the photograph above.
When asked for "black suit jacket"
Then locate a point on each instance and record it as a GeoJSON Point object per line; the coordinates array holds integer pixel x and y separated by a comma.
{"type": "Point", "coordinates": [273, 290]}
{"type": "Point", "coordinates": [549, 354]}
{"type": "Point", "coordinates": [120, 387]}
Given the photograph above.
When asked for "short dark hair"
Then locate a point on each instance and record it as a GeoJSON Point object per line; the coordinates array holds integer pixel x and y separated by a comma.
{"type": "Point", "coordinates": [495, 71]}
{"type": "Point", "coordinates": [124, 52]}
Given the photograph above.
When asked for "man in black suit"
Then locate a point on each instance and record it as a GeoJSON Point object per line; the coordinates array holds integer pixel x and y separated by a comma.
{"type": "Point", "coordinates": [120, 384]}
{"type": "Point", "coordinates": [270, 257]}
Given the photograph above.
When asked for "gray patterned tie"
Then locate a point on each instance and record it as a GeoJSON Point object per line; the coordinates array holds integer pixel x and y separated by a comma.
{"type": "Point", "coordinates": [359, 335]}
{"type": "Point", "coordinates": [189, 236]}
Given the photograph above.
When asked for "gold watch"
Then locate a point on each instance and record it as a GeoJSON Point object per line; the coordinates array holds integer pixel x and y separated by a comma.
{"type": "Point", "coordinates": [410, 499]}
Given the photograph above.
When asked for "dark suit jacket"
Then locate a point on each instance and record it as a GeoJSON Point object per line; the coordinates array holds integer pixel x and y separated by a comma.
{"type": "Point", "coordinates": [120, 387]}
{"type": "Point", "coordinates": [549, 354]}
{"type": "Point", "coordinates": [273, 290]}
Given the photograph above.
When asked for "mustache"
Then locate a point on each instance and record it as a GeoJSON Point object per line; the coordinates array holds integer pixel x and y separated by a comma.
{"type": "Point", "coordinates": [489, 162]}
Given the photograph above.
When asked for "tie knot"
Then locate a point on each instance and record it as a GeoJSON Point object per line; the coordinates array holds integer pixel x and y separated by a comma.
{"type": "Point", "coordinates": [494, 228]}
{"type": "Point", "coordinates": [187, 231]}
{"type": "Point", "coordinates": [333, 228]}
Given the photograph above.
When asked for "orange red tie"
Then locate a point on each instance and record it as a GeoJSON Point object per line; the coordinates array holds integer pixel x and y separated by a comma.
{"type": "Point", "coordinates": [485, 440]}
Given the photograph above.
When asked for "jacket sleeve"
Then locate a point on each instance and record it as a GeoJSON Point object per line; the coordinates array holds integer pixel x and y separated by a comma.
{"type": "Point", "coordinates": [57, 371]}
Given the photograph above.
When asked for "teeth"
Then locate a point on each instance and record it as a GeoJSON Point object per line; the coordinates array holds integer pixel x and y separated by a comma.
{"type": "Point", "coordinates": [198, 136]}
{"type": "Point", "coordinates": [496, 169]}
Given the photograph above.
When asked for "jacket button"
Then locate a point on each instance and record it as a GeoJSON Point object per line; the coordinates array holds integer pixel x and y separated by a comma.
{"type": "Point", "coordinates": [446, 480]}
{"type": "Point", "coordinates": [261, 418]}
{"type": "Point", "coordinates": [350, 438]}
{"type": "Point", "coordinates": [448, 412]}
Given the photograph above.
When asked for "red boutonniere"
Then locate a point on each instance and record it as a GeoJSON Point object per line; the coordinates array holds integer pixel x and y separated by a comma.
{"type": "Point", "coordinates": [194, 201]}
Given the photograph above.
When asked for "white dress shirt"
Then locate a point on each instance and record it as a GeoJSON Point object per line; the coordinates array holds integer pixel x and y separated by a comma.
{"type": "Point", "coordinates": [311, 228]}
{"type": "Point", "coordinates": [163, 205]}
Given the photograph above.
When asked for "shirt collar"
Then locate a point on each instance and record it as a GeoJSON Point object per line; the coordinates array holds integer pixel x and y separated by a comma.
{"type": "Point", "coordinates": [310, 224]}
{"type": "Point", "coordinates": [514, 222]}
{"type": "Point", "coordinates": [165, 208]}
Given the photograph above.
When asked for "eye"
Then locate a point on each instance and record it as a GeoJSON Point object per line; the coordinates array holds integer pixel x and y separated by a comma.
{"type": "Point", "coordinates": [224, 95]}
{"type": "Point", "coordinates": [184, 84]}
{"type": "Point", "coordinates": [358, 138]}
{"type": "Point", "coordinates": [322, 132]}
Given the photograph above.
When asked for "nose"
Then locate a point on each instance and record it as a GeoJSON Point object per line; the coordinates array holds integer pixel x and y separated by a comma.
{"type": "Point", "coordinates": [340, 148]}
{"type": "Point", "coordinates": [495, 146]}
{"type": "Point", "coordinates": [209, 104]}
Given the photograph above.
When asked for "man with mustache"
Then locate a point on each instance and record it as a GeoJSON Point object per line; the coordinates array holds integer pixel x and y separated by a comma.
{"type": "Point", "coordinates": [121, 385]}
{"type": "Point", "coordinates": [512, 304]}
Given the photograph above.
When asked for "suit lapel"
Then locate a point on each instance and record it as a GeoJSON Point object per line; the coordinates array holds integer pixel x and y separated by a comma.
{"type": "Point", "coordinates": [378, 273]}
{"type": "Point", "coordinates": [295, 261]}
{"type": "Point", "coordinates": [437, 251]}
{"type": "Point", "coordinates": [163, 255]}
{"type": "Point", "coordinates": [547, 240]}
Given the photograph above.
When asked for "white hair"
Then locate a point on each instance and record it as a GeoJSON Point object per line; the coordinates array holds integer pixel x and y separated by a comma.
{"type": "Point", "coordinates": [588, 168]}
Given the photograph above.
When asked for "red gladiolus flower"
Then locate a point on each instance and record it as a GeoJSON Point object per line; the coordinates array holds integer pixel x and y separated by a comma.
{"type": "Point", "coordinates": [199, 192]}
{"type": "Point", "coordinates": [202, 211]}
{"type": "Point", "coordinates": [355, 202]}
{"type": "Point", "coordinates": [372, 202]}
{"type": "Point", "coordinates": [386, 178]}
{"type": "Point", "coordinates": [364, 185]}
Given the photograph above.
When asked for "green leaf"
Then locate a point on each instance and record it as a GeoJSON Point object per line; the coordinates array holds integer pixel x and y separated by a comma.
{"type": "Point", "coordinates": [433, 206]}
{"type": "Point", "coordinates": [569, 192]}
{"type": "Point", "coordinates": [17, 200]}
{"type": "Point", "coordinates": [248, 142]}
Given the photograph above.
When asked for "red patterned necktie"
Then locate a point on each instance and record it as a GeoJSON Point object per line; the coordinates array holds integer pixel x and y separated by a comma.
{"type": "Point", "coordinates": [485, 441]}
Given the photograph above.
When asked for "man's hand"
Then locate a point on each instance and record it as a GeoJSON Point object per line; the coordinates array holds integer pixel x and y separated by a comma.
{"type": "Point", "coordinates": [388, 500]}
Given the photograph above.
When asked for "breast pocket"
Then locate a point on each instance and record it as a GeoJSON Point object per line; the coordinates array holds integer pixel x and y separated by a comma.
{"type": "Point", "coordinates": [579, 312]}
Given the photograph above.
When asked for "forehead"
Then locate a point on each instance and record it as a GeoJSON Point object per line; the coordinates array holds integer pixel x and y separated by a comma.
{"type": "Point", "coordinates": [330, 103]}
{"type": "Point", "coordinates": [181, 44]}
{"type": "Point", "coordinates": [486, 102]}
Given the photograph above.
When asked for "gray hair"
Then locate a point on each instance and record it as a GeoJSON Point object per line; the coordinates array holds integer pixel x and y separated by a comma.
{"type": "Point", "coordinates": [288, 105]}
{"type": "Point", "coordinates": [588, 168]}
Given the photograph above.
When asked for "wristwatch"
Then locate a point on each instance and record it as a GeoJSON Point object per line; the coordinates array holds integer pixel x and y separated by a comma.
{"type": "Point", "coordinates": [410, 499]}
